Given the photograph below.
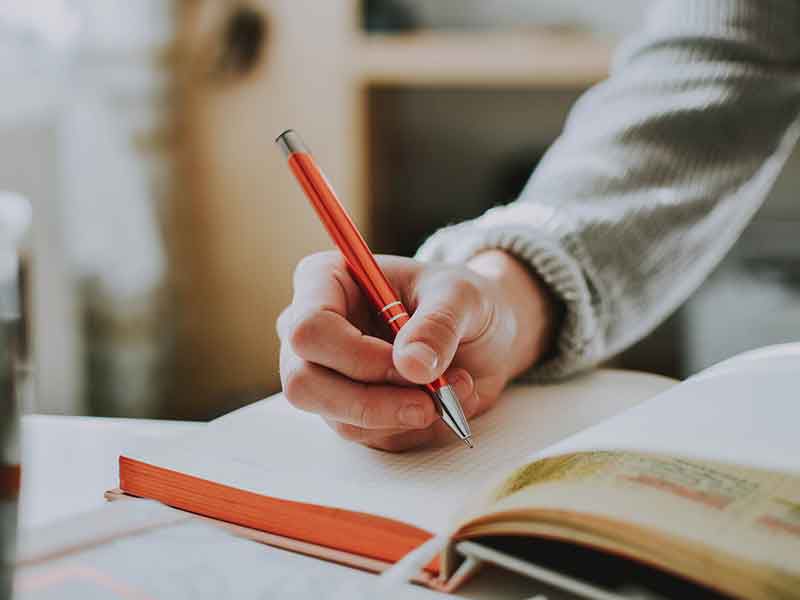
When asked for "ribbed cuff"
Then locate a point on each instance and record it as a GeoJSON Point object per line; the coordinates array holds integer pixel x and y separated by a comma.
{"type": "Point", "coordinates": [550, 252]}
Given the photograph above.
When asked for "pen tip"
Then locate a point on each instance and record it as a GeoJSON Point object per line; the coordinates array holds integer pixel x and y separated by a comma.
{"type": "Point", "coordinates": [285, 131]}
{"type": "Point", "coordinates": [468, 442]}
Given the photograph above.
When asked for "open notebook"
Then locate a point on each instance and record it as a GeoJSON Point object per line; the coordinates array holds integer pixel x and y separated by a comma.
{"type": "Point", "coordinates": [700, 481]}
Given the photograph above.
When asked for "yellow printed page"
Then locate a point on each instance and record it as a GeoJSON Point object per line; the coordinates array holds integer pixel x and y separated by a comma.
{"type": "Point", "coordinates": [736, 489]}
{"type": "Point", "coordinates": [672, 511]}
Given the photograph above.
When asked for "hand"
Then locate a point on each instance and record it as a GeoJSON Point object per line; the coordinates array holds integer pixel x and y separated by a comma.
{"type": "Point", "coordinates": [479, 325]}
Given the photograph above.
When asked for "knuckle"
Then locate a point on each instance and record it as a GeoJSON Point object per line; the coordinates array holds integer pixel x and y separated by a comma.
{"type": "Point", "coordinates": [392, 443]}
{"type": "Point", "coordinates": [287, 360]}
{"type": "Point", "coordinates": [365, 366]}
{"type": "Point", "coordinates": [308, 262]}
{"type": "Point", "coordinates": [305, 330]}
{"type": "Point", "coordinates": [442, 321]}
{"type": "Point", "coordinates": [348, 432]}
{"type": "Point", "coordinates": [283, 321]}
{"type": "Point", "coordinates": [461, 287]}
{"type": "Point", "coordinates": [297, 385]}
{"type": "Point", "coordinates": [315, 261]}
{"type": "Point", "coordinates": [467, 293]}
{"type": "Point", "coordinates": [358, 412]}
{"type": "Point", "coordinates": [360, 370]}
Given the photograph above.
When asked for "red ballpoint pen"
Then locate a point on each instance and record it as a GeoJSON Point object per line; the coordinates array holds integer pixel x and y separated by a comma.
{"type": "Point", "coordinates": [361, 264]}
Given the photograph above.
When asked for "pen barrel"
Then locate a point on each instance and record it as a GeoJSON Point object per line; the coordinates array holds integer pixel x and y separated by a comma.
{"type": "Point", "coordinates": [360, 261]}
{"type": "Point", "coordinates": [395, 315]}
{"type": "Point", "coordinates": [363, 268]}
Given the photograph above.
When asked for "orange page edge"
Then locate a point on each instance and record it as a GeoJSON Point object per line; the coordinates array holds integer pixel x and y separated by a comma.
{"type": "Point", "coordinates": [351, 532]}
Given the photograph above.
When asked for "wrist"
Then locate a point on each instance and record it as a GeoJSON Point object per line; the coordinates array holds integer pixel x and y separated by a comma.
{"type": "Point", "coordinates": [531, 311]}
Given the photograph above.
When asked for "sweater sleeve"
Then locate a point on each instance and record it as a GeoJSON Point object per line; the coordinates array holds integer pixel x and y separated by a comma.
{"type": "Point", "coordinates": [655, 175]}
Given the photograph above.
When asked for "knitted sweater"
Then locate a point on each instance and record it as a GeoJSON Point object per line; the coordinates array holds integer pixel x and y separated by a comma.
{"type": "Point", "coordinates": [656, 174]}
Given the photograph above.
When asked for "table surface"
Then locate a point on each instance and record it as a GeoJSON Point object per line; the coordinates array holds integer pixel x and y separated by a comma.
{"type": "Point", "coordinates": [69, 461]}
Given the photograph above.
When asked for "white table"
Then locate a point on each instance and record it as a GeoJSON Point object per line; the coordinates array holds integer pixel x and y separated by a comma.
{"type": "Point", "coordinates": [68, 462]}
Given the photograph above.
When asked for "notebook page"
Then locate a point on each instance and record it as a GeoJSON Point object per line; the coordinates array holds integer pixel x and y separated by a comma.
{"type": "Point", "coordinates": [273, 449]}
{"type": "Point", "coordinates": [748, 415]}
{"type": "Point", "coordinates": [767, 357]}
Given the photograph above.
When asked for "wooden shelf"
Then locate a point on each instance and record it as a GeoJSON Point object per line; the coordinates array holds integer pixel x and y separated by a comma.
{"type": "Point", "coordinates": [480, 59]}
{"type": "Point", "coordinates": [238, 221]}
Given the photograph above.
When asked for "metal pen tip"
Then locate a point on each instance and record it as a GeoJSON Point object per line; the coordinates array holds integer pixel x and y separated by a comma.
{"type": "Point", "coordinates": [468, 442]}
{"type": "Point", "coordinates": [283, 133]}
{"type": "Point", "coordinates": [449, 409]}
{"type": "Point", "coordinates": [290, 143]}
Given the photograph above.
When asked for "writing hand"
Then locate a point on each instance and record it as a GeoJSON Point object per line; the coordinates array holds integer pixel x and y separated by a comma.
{"type": "Point", "coordinates": [479, 324]}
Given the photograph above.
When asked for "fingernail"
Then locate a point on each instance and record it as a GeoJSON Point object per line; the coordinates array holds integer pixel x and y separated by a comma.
{"type": "Point", "coordinates": [470, 404]}
{"type": "Point", "coordinates": [423, 354]}
{"type": "Point", "coordinates": [460, 385]}
{"type": "Point", "coordinates": [412, 416]}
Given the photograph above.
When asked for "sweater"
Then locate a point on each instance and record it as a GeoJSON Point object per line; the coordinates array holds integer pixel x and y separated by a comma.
{"type": "Point", "coordinates": [655, 175]}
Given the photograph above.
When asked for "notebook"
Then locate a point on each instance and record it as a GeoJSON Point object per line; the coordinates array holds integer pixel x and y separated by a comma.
{"type": "Point", "coordinates": [700, 481]}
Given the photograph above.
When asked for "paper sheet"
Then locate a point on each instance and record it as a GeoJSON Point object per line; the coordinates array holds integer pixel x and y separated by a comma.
{"type": "Point", "coordinates": [271, 448]}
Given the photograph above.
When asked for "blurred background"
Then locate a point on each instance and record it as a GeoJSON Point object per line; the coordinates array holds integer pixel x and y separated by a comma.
{"type": "Point", "coordinates": [166, 225]}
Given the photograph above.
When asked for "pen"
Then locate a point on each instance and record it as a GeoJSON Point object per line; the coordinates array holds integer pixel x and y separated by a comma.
{"type": "Point", "coordinates": [361, 264]}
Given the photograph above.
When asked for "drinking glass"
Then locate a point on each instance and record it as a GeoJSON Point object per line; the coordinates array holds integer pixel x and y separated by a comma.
{"type": "Point", "coordinates": [15, 217]}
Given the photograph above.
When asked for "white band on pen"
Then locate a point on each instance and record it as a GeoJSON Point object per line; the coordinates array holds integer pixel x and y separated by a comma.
{"type": "Point", "coordinates": [390, 305]}
{"type": "Point", "coordinates": [394, 318]}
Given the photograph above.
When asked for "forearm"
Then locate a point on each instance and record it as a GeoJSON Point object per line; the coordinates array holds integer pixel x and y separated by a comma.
{"type": "Point", "coordinates": [655, 175]}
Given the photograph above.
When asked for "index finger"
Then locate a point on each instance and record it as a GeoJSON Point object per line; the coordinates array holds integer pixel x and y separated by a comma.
{"type": "Point", "coordinates": [322, 281]}
{"type": "Point", "coordinates": [319, 324]}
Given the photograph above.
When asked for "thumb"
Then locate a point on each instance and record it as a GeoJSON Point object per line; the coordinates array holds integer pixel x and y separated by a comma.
{"type": "Point", "coordinates": [427, 343]}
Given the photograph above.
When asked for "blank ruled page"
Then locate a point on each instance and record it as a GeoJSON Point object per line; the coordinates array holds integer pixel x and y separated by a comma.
{"type": "Point", "coordinates": [273, 449]}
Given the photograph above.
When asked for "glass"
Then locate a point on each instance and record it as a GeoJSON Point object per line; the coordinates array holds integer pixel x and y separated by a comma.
{"type": "Point", "coordinates": [15, 216]}
{"type": "Point", "coordinates": [9, 444]}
